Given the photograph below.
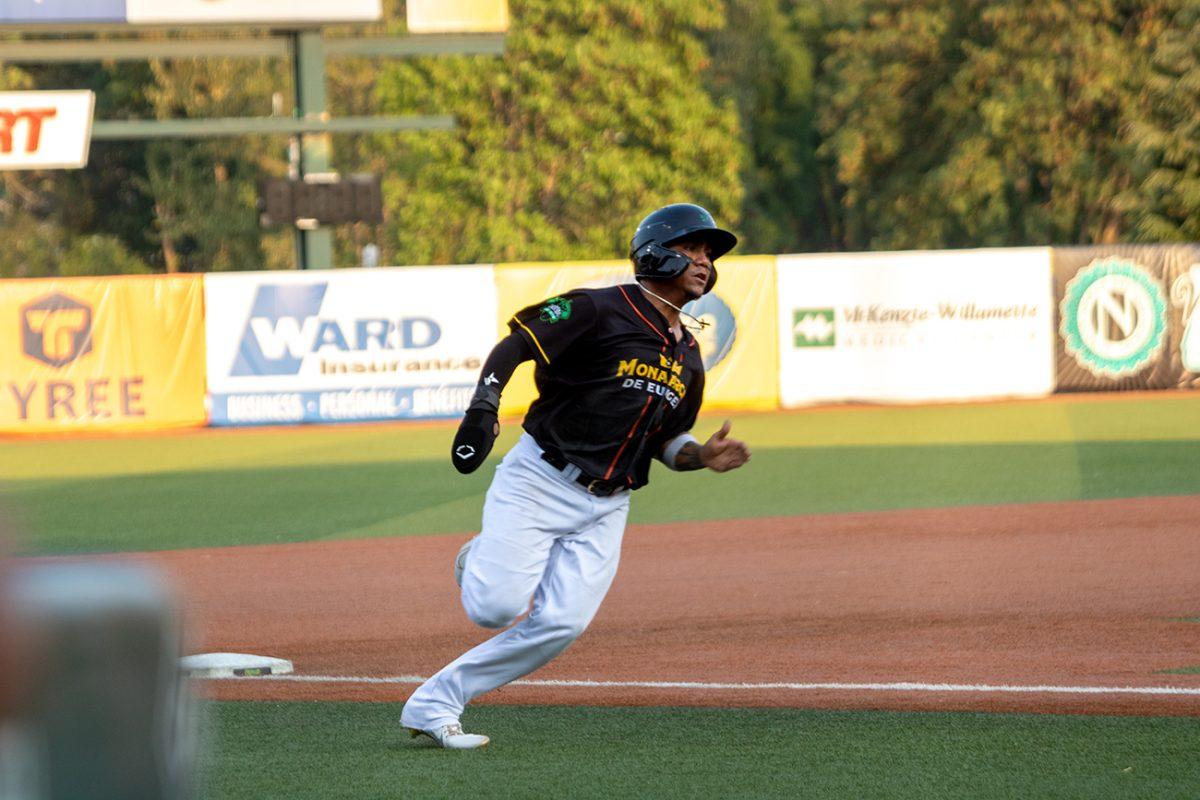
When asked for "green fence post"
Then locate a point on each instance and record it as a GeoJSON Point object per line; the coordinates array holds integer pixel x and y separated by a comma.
{"type": "Point", "coordinates": [315, 245]}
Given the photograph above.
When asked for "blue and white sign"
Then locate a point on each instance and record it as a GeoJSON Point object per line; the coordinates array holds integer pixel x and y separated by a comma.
{"type": "Point", "coordinates": [61, 11]}
{"type": "Point", "coordinates": [347, 344]}
{"type": "Point", "coordinates": [188, 12]}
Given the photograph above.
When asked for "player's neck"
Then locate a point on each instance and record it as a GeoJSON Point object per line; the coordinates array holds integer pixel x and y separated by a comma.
{"type": "Point", "coordinates": [662, 299]}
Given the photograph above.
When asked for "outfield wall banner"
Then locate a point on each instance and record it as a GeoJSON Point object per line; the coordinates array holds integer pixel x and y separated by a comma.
{"type": "Point", "coordinates": [912, 327]}
{"type": "Point", "coordinates": [738, 344]}
{"type": "Point", "coordinates": [1127, 317]}
{"type": "Point", "coordinates": [101, 353]}
{"type": "Point", "coordinates": [347, 344]}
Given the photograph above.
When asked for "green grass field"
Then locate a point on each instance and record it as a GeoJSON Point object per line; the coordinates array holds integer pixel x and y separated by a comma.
{"type": "Point", "coordinates": [153, 493]}
{"type": "Point", "coordinates": [580, 752]}
{"type": "Point", "coordinates": [253, 486]}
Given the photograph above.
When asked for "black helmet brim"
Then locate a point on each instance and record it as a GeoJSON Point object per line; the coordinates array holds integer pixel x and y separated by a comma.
{"type": "Point", "coordinates": [721, 241]}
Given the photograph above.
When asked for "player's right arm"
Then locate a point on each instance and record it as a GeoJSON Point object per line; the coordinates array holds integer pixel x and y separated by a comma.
{"type": "Point", "coordinates": [480, 426]}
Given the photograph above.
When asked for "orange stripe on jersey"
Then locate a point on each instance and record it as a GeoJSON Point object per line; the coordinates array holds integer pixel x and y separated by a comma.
{"type": "Point", "coordinates": [629, 300]}
{"type": "Point", "coordinates": [628, 436]}
{"type": "Point", "coordinates": [545, 357]}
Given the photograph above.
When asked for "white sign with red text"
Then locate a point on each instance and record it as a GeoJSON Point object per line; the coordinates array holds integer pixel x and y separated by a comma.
{"type": "Point", "coordinates": [45, 130]}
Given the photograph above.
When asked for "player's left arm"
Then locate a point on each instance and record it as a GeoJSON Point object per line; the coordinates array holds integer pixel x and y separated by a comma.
{"type": "Point", "coordinates": [720, 453]}
{"type": "Point", "coordinates": [480, 425]}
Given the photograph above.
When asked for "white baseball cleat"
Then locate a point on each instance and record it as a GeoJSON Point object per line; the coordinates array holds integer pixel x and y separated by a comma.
{"type": "Point", "coordinates": [460, 561]}
{"type": "Point", "coordinates": [452, 737]}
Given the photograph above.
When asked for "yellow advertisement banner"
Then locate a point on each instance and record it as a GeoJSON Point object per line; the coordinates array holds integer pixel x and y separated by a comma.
{"type": "Point", "coordinates": [740, 345]}
{"type": "Point", "coordinates": [457, 16]}
{"type": "Point", "coordinates": [115, 353]}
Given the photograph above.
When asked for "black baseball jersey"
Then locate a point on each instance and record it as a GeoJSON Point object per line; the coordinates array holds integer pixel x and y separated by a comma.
{"type": "Point", "coordinates": [613, 383]}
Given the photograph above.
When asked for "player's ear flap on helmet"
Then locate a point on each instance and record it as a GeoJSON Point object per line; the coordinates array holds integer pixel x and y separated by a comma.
{"type": "Point", "coordinates": [653, 260]}
{"type": "Point", "coordinates": [650, 251]}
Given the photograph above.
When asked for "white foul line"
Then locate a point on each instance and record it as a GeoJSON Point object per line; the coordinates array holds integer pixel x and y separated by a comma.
{"type": "Point", "coordinates": [801, 687]}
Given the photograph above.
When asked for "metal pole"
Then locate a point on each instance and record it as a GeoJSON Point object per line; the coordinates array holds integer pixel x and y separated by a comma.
{"type": "Point", "coordinates": [269, 126]}
{"type": "Point", "coordinates": [315, 246]}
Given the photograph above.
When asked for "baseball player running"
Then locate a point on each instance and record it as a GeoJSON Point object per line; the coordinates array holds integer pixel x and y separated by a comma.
{"type": "Point", "coordinates": [620, 381]}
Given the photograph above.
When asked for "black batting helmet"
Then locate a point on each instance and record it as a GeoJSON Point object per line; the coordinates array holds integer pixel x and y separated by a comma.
{"type": "Point", "coordinates": [651, 256]}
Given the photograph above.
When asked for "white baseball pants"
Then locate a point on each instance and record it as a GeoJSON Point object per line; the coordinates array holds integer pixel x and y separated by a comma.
{"type": "Point", "coordinates": [543, 537]}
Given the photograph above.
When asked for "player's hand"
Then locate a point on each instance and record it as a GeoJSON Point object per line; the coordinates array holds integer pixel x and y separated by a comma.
{"type": "Point", "coordinates": [476, 434]}
{"type": "Point", "coordinates": [721, 454]}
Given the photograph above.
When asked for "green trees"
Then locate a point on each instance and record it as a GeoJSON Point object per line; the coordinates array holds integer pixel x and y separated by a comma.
{"type": "Point", "coordinates": [765, 60]}
{"type": "Point", "coordinates": [595, 115]}
{"type": "Point", "coordinates": [1166, 136]}
{"type": "Point", "coordinates": [1026, 122]}
{"type": "Point", "coordinates": [53, 221]}
{"type": "Point", "coordinates": [802, 124]}
{"type": "Point", "coordinates": [204, 191]}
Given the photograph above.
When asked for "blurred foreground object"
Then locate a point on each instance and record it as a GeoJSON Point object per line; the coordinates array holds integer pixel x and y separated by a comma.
{"type": "Point", "coordinates": [11, 648]}
{"type": "Point", "coordinates": [100, 709]}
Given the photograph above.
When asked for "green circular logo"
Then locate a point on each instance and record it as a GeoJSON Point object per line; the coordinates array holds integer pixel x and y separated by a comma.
{"type": "Point", "coordinates": [1114, 317]}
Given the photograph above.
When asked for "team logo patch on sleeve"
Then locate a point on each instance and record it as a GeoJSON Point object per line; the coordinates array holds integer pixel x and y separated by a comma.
{"type": "Point", "coordinates": [556, 310]}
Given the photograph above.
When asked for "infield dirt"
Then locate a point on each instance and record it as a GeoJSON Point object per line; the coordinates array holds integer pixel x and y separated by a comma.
{"type": "Point", "coordinates": [1091, 593]}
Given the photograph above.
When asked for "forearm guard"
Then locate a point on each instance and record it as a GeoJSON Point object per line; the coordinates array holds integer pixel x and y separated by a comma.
{"type": "Point", "coordinates": [479, 427]}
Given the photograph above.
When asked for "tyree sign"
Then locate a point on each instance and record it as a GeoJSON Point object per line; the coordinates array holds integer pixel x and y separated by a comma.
{"type": "Point", "coordinates": [101, 353]}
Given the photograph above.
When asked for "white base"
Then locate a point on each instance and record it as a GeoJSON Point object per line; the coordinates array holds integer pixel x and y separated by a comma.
{"type": "Point", "coordinates": [233, 665]}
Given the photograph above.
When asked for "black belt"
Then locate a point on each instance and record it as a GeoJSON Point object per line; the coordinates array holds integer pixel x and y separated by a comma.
{"type": "Point", "coordinates": [596, 486]}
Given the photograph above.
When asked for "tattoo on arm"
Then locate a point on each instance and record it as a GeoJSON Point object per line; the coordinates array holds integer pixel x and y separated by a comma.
{"type": "Point", "coordinates": [688, 457]}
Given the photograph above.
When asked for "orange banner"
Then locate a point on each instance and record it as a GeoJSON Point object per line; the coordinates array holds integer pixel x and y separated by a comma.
{"type": "Point", "coordinates": [114, 353]}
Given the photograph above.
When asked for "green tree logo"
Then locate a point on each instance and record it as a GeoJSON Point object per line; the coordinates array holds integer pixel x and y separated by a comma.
{"type": "Point", "coordinates": [813, 327]}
